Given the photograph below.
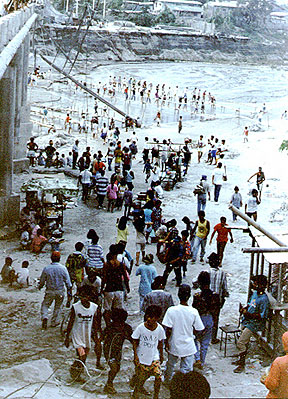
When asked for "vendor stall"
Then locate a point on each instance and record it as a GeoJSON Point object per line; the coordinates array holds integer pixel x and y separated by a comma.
{"type": "Point", "coordinates": [47, 198]}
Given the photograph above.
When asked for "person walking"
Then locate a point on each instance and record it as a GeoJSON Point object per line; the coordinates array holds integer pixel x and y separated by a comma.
{"type": "Point", "coordinates": [158, 296]}
{"type": "Point", "coordinates": [207, 303]}
{"type": "Point", "coordinates": [75, 153]}
{"type": "Point", "coordinates": [222, 238]}
{"type": "Point", "coordinates": [55, 277]}
{"type": "Point", "coordinates": [180, 321]}
{"type": "Point", "coordinates": [260, 178]}
{"type": "Point", "coordinates": [218, 284]}
{"type": "Point", "coordinates": [180, 124]}
{"type": "Point", "coordinates": [252, 204]}
{"type": "Point", "coordinates": [217, 180]}
{"type": "Point", "coordinates": [148, 340]}
{"type": "Point", "coordinates": [201, 190]}
{"type": "Point", "coordinates": [147, 273]}
{"type": "Point", "coordinates": [95, 255]}
{"type": "Point", "coordinates": [115, 277]}
{"type": "Point", "coordinates": [83, 323]}
{"type": "Point", "coordinates": [101, 188]}
{"type": "Point", "coordinates": [112, 194]}
{"type": "Point", "coordinates": [236, 200]}
{"type": "Point", "coordinates": [202, 229]}
{"type": "Point", "coordinates": [85, 179]}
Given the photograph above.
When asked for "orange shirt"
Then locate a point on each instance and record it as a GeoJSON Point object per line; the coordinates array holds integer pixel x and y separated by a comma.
{"type": "Point", "coordinates": [36, 243]}
{"type": "Point", "coordinates": [277, 379]}
{"type": "Point", "coordinates": [222, 232]}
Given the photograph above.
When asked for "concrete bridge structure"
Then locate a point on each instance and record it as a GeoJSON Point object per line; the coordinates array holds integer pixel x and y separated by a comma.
{"type": "Point", "coordinates": [15, 125]}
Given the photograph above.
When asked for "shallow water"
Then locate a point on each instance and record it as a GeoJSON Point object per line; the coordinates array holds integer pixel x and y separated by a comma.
{"type": "Point", "coordinates": [233, 86]}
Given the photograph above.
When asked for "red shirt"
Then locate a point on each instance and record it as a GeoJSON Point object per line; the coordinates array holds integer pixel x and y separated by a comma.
{"type": "Point", "coordinates": [222, 232]}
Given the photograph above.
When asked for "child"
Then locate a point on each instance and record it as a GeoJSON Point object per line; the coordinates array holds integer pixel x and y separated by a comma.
{"type": "Point", "coordinates": [128, 201]}
{"type": "Point", "coordinates": [8, 273]}
{"type": "Point", "coordinates": [112, 195]}
{"type": "Point", "coordinates": [23, 275]}
{"type": "Point", "coordinates": [139, 224]}
{"type": "Point", "coordinates": [76, 263]}
{"type": "Point", "coordinates": [148, 358]}
{"type": "Point", "coordinates": [236, 200]}
{"type": "Point", "coordinates": [148, 274]}
{"type": "Point", "coordinates": [38, 242]}
{"type": "Point", "coordinates": [120, 194]}
{"type": "Point", "coordinates": [122, 230]}
{"type": "Point", "coordinates": [114, 337]}
{"type": "Point", "coordinates": [82, 323]}
{"type": "Point", "coordinates": [187, 249]}
{"type": "Point", "coordinates": [252, 204]}
{"type": "Point", "coordinates": [25, 240]}
{"type": "Point", "coordinates": [147, 169]}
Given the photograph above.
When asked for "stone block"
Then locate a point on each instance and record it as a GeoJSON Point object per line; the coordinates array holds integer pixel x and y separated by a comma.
{"type": "Point", "coordinates": [9, 209]}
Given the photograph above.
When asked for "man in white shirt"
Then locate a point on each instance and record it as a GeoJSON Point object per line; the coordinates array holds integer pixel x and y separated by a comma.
{"type": "Point", "coordinates": [85, 180]}
{"type": "Point", "coordinates": [179, 322]}
{"type": "Point", "coordinates": [217, 180]}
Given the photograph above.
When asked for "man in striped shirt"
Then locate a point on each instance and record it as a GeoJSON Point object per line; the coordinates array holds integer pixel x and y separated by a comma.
{"type": "Point", "coordinates": [101, 187]}
{"type": "Point", "coordinates": [218, 284]}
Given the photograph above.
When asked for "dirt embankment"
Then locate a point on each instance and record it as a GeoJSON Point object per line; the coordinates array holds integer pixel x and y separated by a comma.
{"type": "Point", "coordinates": [144, 44]}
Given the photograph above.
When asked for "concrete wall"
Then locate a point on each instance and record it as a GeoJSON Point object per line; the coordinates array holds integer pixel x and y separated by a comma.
{"type": "Point", "coordinates": [15, 126]}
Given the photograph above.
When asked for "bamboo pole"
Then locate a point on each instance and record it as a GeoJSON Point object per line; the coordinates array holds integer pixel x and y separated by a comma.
{"type": "Point", "coordinates": [264, 250]}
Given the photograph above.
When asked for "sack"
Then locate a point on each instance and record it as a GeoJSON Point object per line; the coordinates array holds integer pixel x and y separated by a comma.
{"type": "Point", "coordinates": [224, 177]}
{"type": "Point", "coordinates": [199, 189]}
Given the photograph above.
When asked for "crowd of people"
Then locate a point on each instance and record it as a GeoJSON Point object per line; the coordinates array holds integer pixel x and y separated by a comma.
{"type": "Point", "coordinates": [98, 285]}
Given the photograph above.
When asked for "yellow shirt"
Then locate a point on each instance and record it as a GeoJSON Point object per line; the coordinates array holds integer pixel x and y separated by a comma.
{"type": "Point", "coordinates": [202, 229]}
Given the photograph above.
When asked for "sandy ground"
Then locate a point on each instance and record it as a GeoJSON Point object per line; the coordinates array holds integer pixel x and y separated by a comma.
{"type": "Point", "coordinates": [20, 325]}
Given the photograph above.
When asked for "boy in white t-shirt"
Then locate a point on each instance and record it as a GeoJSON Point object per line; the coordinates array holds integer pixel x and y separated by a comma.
{"type": "Point", "coordinates": [23, 275]}
{"type": "Point", "coordinates": [148, 341]}
{"type": "Point", "coordinates": [82, 324]}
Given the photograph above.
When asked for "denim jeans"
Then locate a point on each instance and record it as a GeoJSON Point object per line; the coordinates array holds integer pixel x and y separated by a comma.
{"type": "Point", "coordinates": [186, 365]}
{"type": "Point", "coordinates": [197, 243]}
{"type": "Point", "coordinates": [203, 341]}
{"type": "Point", "coordinates": [201, 202]}
{"type": "Point", "coordinates": [58, 297]}
{"type": "Point", "coordinates": [217, 188]}
{"type": "Point", "coordinates": [234, 214]}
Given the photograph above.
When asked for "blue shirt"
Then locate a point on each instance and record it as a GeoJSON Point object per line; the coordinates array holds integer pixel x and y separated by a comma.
{"type": "Point", "coordinates": [148, 274]}
{"type": "Point", "coordinates": [147, 214]}
{"type": "Point", "coordinates": [55, 276]}
{"type": "Point", "coordinates": [257, 304]}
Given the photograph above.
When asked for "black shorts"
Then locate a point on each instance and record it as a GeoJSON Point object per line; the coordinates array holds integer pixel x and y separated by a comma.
{"type": "Point", "coordinates": [250, 214]}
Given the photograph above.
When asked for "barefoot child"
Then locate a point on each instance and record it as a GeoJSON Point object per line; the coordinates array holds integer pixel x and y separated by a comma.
{"type": "Point", "coordinates": [148, 350]}
{"type": "Point", "coordinates": [82, 323]}
{"type": "Point", "coordinates": [114, 337]}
